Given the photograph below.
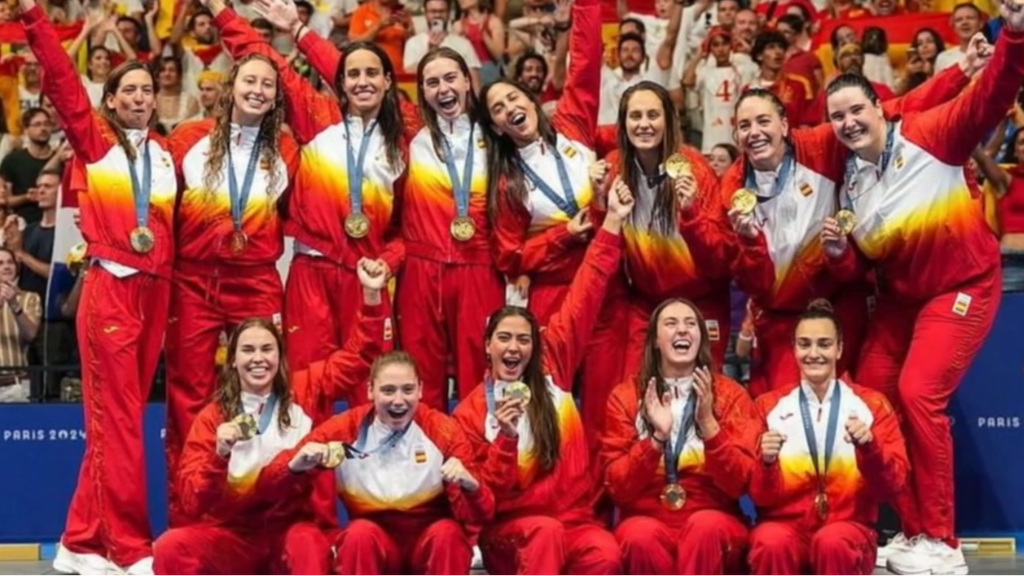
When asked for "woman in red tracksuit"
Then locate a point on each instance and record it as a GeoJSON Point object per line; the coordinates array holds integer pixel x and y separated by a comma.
{"type": "Point", "coordinates": [124, 177]}
{"type": "Point", "coordinates": [402, 477]}
{"type": "Point", "coordinates": [540, 194]}
{"type": "Point", "coordinates": [234, 170]}
{"type": "Point", "coordinates": [531, 446]}
{"type": "Point", "coordinates": [780, 264]}
{"type": "Point", "coordinates": [677, 411]}
{"type": "Point", "coordinates": [235, 526]}
{"type": "Point", "coordinates": [347, 194]}
{"type": "Point", "coordinates": [821, 479]}
{"type": "Point", "coordinates": [678, 242]}
{"type": "Point", "coordinates": [921, 227]}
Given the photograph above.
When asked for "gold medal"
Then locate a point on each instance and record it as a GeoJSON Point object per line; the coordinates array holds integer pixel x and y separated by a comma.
{"type": "Point", "coordinates": [237, 242]}
{"type": "Point", "coordinates": [673, 497]}
{"type": "Point", "coordinates": [76, 258]}
{"type": "Point", "coordinates": [335, 454]}
{"type": "Point", "coordinates": [677, 166]}
{"type": "Point", "coordinates": [246, 425]}
{"type": "Point", "coordinates": [744, 201]}
{"type": "Point", "coordinates": [357, 225]}
{"type": "Point", "coordinates": [142, 239]}
{"type": "Point", "coordinates": [463, 229]}
{"type": "Point", "coordinates": [518, 391]}
{"type": "Point", "coordinates": [821, 505]}
{"type": "Point", "coordinates": [846, 220]}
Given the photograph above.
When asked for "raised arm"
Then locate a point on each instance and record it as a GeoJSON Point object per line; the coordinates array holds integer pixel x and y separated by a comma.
{"type": "Point", "coordinates": [308, 112]}
{"type": "Point", "coordinates": [576, 115]}
{"type": "Point", "coordinates": [62, 85]}
{"type": "Point", "coordinates": [752, 268]}
{"type": "Point", "coordinates": [703, 224]}
{"type": "Point", "coordinates": [495, 463]}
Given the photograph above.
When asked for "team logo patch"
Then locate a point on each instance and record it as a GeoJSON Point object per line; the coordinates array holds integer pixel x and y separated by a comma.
{"type": "Point", "coordinates": [806, 190]}
{"type": "Point", "coordinates": [899, 162]}
{"type": "Point", "coordinates": [570, 152]}
{"type": "Point", "coordinates": [387, 329]}
{"type": "Point", "coordinates": [713, 333]}
{"type": "Point", "coordinates": [420, 455]}
{"type": "Point", "coordinates": [962, 304]}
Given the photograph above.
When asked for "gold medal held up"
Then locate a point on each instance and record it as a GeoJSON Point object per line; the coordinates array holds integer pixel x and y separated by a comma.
{"type": "Point", "coordinates": [676, 166]}
{"type": "Point", "coordinates": [357, 225]}
{"type": "Point", "coordinates": [846, 220]}
{"type": "Point", "coordinates": [821, 505]}
{"type": "Point", "coordinates": [463, 229]}
{"type": "Point", "coordinates": [673, 497]}
{"type": "Point", "coordinates": [237, 242]}
{"type": "Point", "coordinates": [518, 391]}
{"type": "Point", "coordinates": [142, 239]}
{"type": "Point", "coordinates": [246, 425]}
{"type": "Point", "coordinates": [744, 201]}
{"type": "Point", "coordinates": [335, 454]}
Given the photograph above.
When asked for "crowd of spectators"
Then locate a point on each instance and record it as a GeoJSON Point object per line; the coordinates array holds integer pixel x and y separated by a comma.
{"type": "Point", "coordinates": [706, 54]}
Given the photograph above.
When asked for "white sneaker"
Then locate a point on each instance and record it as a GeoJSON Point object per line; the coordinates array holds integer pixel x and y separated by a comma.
{"type": "Point", "coordinates": [928, 556]}
{"type": "Point", "coordinates": [898, 543]}
{"type": "Point", "coordinates": [70, 562]}
{"type": "Point", "coordinates": [478, 559]}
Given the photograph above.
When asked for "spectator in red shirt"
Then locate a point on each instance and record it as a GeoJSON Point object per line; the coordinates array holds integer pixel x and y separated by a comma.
{"type": "Point", "coordinates": [769, 53]}
{"type": "Point", "coordinates": [849, 60]}
{"type": "Point", "coordinates": [800, 60]}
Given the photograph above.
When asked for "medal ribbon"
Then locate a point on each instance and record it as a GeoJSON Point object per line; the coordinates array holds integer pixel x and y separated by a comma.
{"type": "Point", "coordinates": [355, 168]}
{"type": "Point", "coordinates": [267, 413]}
{"type": "Point", "coordinates": [750, 181]}
{"type": "Point", "coordinates": [140, 190]}
{"type": "Point", "coordinates": [460, 186]}
{"type": "Point", "coordinates": [568, 203]}
{"type": "Point", "coordinates": [849, 180]}
{"type": "Point", "coordinates": [239, 200]}
{"type": "Point", "coordinates": [673, 451]}
{"type": "Point", "coordinates": [359, 450]}
{"type": "Point", "coordinates": [830, 433]}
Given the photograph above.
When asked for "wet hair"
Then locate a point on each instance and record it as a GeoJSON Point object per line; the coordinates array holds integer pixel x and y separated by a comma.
{"type": "Point", "coordinates": [848, 80]}
{"type": "Point", "coordinates": [393, 358]}
{"type": "Point", "coordinates": [650, 364]}
{"type": "Point", "coordinates": [426, 110]}
{"type": "Point", "coordinates": [389, 118]}
{"type": "Point", "coordinates": [874, 41]}
{"type": "Point", "coordinates": [505, 178]}
{"type": "Point", "coordinates": [821, 309]}
{"type": "Point", "coordinates": [763, 94]}
{"type": "Point", "coordinates": [541, 411]}
{"type": "Point", "coordinates": [766, 39]}
{"type": "Point", "coordinates": [110, 88]}
{"type": "Point", "coordinates": [269, 134]}
{"type": "Point", "coordinates": [665, 216]}
{"type": "Point", "coordinates": [228, 394]}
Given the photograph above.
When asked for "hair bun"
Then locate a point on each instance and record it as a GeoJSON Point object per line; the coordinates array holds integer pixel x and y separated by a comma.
{"type": "Point", "coordinates": [820, 305]}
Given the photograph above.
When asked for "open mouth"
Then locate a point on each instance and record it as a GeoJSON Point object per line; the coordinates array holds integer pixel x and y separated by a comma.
{"type": "Point", "coordinates": [682, 345]}
{"type": "Point", "coordinates": [448, 103]}
{"type": "Point", "coordinates": [517, 118]}
{"type": "Point", "coordinates": [259, 371]}
{"type": "Point", "coordinates": [854, 133]}
{"type": "Point", "coordinates": [511, 364]}
{"type": "Point", "coordinates": [398, 413]}
{"type": "Point", "coordinates": [255, 101]}
{"type": "Point", "coordinates": [363, 92]}
{"type": "Point", "coordinates": [758, 145]}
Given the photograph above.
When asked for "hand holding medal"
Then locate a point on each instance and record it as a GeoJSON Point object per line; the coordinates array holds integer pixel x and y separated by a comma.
{"type": "Point", "coordinates": [741, 213]}
{"type": "Point", "coordinates": [309, 456]}
{"type": "Point", "coordinates": [833, 238]}
{"type": "Point", "coordinates": [238, 429]}
{"type": "Point", "coordinates": [508, 411]}
{"type": "Point", "coordinates": [684, 185]}
{"type": "Point", "coordinates": [335, 455]}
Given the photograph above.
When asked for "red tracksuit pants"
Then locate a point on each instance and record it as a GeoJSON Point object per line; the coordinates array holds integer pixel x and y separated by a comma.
{"type": "Point", "coordinates": [716, 315]}
{"type": "Point", "coordinates": [836, 548]}
{"type": "Point", "coordinates": [205, 300]}
{"type": "Point", "coordinates": [443, 311]}
{"type": "Point", "coordinates": [300, 548]}
{"type": "Point", "coordinates": [321, 303]}
{"type": "Point", "coordinates": [708, 542]}
{"type": "Point", "coordinates": [120, 324]}
{"type": "Point", "coordinates": [917, 355]}
{"type": "Point", "coordinates": [364, 547]}
{"type": "Point", "coordinates": [604, 356]}
{"type": "Point", "coordinates": [543, 545]}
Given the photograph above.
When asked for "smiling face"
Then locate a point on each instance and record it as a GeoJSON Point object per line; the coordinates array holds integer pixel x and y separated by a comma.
{"type": "Point", "coordinates": [761, 132]}
{"type": "Point", "coordinates": [817, 349]}
{"type": "Point", "coordinates": [445, 87]}
{"type": "Point", "coordinates": [254, 91]}
{"type": "Point", "coordinates": [395, 393]}
{"type": "Point", "coordinates": [510, 348]}
{"type": "Point", "coordinates": [257, 357]}
{"type": "Point", "coordinates": [513, 113]}
{"type": "Point", "coordinates": [365, 82]}
{"type": "Point", "coordinates": [679, 337]}
{"type": "Point", "coordinates": [645, 120]}
{"type": "Point", "coordinates": [857, 121]}
{"type": "Point", "coordinates": [966, 22]}
{"type": "Point", "coordinates": [134, 99]}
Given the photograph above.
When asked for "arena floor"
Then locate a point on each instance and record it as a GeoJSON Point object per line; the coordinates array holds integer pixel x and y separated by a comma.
{"type": "Point", "coordinates": [978, 565]}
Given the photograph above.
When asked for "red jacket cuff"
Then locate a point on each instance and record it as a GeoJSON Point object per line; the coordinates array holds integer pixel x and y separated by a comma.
{"type": "Point", "coordinates": [374, 311]}
{"type": "Point", "coordinates": [33, 15]}
{"type": "Point", "coordinates": [307, 42]}
{"type": "Point", "coordinates": [607, 238]}
{"type": "Point", "coordinates": [506, 443]}
{"type": "Point", "coordinates": [225, 17]}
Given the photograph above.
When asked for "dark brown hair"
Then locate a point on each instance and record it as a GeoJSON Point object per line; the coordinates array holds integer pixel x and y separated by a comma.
{"type": "Point", "coordinates": [389, 118]}
{"type": "Point", "coordinates": [426, 111]}
{"type": "Point", "coordinates": [110, 88]}
{"type": "Point", "coordinates": [821, 309]}
{"type": "Point", "coordinates": [541, 411]}
{"type": "Point", "coordinates": [399, 357]}
{"type": "Point", "coordinates": [229, 386]}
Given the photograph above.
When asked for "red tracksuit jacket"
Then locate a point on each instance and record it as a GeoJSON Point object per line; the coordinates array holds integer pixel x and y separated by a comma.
{"type": "Point", "coordinates": [204, 217]}
{"type": "Point", "coordinates": [320, 202]}
{"type": "Point", "coordinates": [858, 479]}
{"type": "Point", "coordinates": [691, 262]}
{"type": "Point", "coordinates": [533, 238]}
{"type": "Point", "coordinates": [714, 473]}
{"type": "Point", "coordinates": [569, 490]}
{"type": "Point", "coordinates": [227, 491]}
{"type": "Point", "coordinates": [99, 171]}
{"type": "Point", "coordinates": [921, 222]}
{"type": "Point", "coordinates": [367, 486]}
{"type": "Point", "coordinates": [789, 271]}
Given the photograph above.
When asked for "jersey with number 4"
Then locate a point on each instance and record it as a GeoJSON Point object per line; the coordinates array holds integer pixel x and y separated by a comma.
{"type": "Point", "coordinates": [719, 88]}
